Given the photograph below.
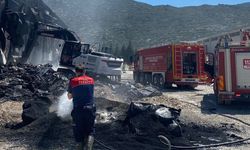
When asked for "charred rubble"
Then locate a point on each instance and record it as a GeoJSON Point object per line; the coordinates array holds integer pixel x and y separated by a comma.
{"type": "Point", "coordinates": [131, 91]}
{"type": "Point", "coordinates": [19, 25]}
{"type": "Point", "coordinates": [40, 86]}
{"type": "Point", "coordinates": [159, 118]}
{"type": "Point", "coordinates": [37, 86]}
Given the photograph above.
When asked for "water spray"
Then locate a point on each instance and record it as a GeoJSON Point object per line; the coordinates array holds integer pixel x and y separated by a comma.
{"type": "Point", "coordinates": [64, 106]}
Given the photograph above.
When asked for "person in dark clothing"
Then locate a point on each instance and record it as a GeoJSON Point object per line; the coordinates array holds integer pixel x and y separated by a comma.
{"type": "Point", "coordinates": [81, 90]}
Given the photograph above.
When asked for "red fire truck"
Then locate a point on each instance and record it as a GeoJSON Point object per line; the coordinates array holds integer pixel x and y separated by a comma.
{"type": "Point", "coordinates": [232, 71]}
{"type": "Point", "coordinates": [180, 64]}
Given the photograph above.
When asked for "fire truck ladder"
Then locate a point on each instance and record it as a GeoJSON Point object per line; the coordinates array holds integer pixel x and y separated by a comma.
{"type": "Point", "coordinates": [178, 62]}
{"type": "Point", "coordinates": [201, 59]}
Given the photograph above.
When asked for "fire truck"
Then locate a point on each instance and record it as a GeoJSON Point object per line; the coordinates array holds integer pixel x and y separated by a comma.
{"type": "Point", "coordinates": [232, 70]}
{"type": "Point", "coordinates": [181, 64]}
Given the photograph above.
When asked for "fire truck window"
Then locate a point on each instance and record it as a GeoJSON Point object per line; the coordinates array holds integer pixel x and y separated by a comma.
{"type": "Point", "coordinates": [189, 63]}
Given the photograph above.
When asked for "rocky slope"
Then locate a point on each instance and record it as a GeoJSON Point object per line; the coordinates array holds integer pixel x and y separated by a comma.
{"type": "Point", "coordinates": [117, 22]}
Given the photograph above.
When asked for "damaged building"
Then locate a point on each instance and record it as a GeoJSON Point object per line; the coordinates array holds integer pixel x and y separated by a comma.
{"type": "Point", "coordinates": [20, 23]}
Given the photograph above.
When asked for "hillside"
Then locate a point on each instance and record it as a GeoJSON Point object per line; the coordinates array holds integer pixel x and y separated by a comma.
{"type": "Point", "coordinates": [116, 22]}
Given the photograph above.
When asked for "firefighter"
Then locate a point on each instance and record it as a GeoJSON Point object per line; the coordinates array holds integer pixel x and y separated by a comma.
{"type": "Point", "coordinates": [81, 90]}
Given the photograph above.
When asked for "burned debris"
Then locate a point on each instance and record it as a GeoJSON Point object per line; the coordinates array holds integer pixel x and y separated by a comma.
{"type": "Point", "coordinates": [19, 25]}
{"type": "Point", "coordinates": [159, 118]}
{"type": "Point", "coordinates": [135, 114]}
{"type": "Point", "coordinates": [136, 124]}
{"type": "Point", "coordinates": [130, 91]}
{"type": "Point", "coordinates": [37, 86]}
{"type": "Point", "coordinates": [138, 91]}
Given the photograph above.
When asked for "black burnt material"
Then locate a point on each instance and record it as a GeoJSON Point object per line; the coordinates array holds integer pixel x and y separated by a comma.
{"type": "Point", "coordinates": [149, 119]}
{"type": "Point", "coordinates": [37, 86]}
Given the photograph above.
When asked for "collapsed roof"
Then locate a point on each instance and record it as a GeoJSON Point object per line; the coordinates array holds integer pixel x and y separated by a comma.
{"type": "Point", "coordinates": [19, 21]}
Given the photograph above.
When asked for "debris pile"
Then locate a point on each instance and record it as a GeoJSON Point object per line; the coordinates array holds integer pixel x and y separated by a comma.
{"type": "Point", "coordinates": [135, 123]}
{"type": "Point", "coordinates": [141, 91]}
{"type": "Point", "coordinates": [133, 92]}
{"type": "Point", "coordinates": [37, 86]}
{"type": "Point", "coordinates": [150, 119]}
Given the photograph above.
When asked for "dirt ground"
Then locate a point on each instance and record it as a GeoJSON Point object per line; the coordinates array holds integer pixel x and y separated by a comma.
{"type": "Point", "coordinates": [202, 120]}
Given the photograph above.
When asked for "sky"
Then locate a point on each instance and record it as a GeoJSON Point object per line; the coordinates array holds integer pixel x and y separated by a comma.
{"type": "Point", "coordinates": [182, 3]}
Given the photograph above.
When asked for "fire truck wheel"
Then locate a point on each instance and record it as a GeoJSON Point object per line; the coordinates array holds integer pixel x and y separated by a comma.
{"type": "Point", "coordinates": [136, 78]}
{"type": "Point", "coordinates": [155, 80]}
{"type": "Point", "coordinates": [180, 86]}
{"type": "Point", "coordinates": [193, 86]}
{"type": "Point", "coordinates": [161, 81]}
{"type": "Point", "coordinates": [220, 101]}
{"type": "Point", "coordinates": [141, 78]}
{"type": "Point", "coordinates": [227, 102]}
{"type": "Point", "coordinates": [168, 85]}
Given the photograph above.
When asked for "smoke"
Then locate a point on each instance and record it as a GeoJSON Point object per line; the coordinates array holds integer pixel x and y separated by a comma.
{"type": "Point", "coordinates": [64, 106]}
{"type": "Point", "coordinates": [99, 17]}
{"type": "Point", "coordinates": [2, 58]}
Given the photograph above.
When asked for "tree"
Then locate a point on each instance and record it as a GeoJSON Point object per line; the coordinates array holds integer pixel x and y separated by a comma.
{"type": "Point", "coordinates": [116, 51]}
{"type": "Point", "coordinates": [123, 52]}
{"type": "Point", "coordinates": [127, 52]}
{"type": "Point", "coordinates": [130, 52]}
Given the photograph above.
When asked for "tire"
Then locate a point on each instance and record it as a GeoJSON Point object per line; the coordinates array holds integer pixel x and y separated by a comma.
{"type": "Point", "coordinates": [148, 79]}
{"type": "Point", "coordinates": [181, 86]}
{"type": "Point", "coordinates": [155, 80]}
{"type": "Point", "coordinates": [168, 85]}
{"type": "Point", "coordinates": [227, 102]}
{"type": "Point", "coordinates": [193, 86]}
{"type": "Point", "coordinates": [135, 77]}
{"type": "Point", "coordinates": [161, 82]}
{"type": "Point", "coordinates": [145, 82]}
{"type": "Point", "coordinates": [141, 78]}
{"type": "Point", "coordinates": [220, 101]}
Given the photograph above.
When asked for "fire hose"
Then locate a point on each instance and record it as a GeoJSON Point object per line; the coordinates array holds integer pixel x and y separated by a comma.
{"type": "Point", "coordinates": [103, 145]}
{"type": "Point", "coordinates": [166, 141]}
{"type": "Point", "coordinates": [211, 111]}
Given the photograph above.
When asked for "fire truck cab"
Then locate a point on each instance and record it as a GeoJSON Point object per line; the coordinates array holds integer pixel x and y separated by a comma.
{"type": "Point", "coordinates": [180, 64]}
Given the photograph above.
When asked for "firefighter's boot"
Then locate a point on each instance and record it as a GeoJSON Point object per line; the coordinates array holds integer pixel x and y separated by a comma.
{"type": "Point", "coordinates": [89, 143]}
